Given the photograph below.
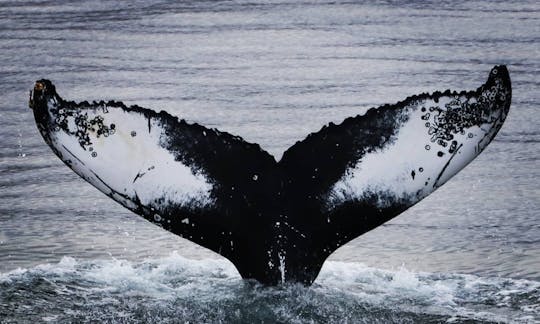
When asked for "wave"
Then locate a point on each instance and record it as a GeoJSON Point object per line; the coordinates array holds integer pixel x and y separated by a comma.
{"type": "Point", "coordinates": [176, 289]}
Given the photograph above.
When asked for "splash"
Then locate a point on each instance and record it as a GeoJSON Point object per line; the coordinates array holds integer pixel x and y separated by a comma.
{"type": "Point", "coordinates": [178, 289]}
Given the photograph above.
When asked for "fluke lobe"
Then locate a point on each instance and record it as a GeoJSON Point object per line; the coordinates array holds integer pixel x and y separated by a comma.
{"type": "Point", "coordinates": [276, 221]}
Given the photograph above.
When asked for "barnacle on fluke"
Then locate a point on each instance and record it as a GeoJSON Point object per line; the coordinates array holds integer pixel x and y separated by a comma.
{"type": "Point", "coordinates": [275, 220]}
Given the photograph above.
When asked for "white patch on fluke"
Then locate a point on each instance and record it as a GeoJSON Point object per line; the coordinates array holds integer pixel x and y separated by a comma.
{"type": "Point", "coordinates": [131, 162]}
{"type": "Point", "coordinates": [388, 173]}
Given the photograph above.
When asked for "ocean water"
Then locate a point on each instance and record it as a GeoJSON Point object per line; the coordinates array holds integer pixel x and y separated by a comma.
{"type": "Point", "coordinates": [271, 72]}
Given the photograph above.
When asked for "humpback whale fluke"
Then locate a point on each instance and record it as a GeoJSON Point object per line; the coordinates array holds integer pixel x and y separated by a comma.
{"type": "Point", "coordinates": [276, 221]}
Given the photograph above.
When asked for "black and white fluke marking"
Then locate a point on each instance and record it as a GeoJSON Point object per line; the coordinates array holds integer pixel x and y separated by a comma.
{"type": "Point", "coordinates": [276, 221]}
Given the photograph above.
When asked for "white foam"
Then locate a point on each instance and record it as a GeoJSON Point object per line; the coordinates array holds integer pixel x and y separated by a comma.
{"type": "Point", "coordinates": [457, 295]}
{"type": "Point", "coordinates": [173, 281]}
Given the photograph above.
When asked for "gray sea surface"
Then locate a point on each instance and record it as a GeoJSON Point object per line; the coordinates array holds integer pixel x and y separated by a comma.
{"type": "Point", "coordinates": [271, 72]}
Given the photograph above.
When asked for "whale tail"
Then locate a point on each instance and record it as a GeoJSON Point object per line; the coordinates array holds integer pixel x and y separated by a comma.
{"type": "Point", "coordinates": [276, 221]}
